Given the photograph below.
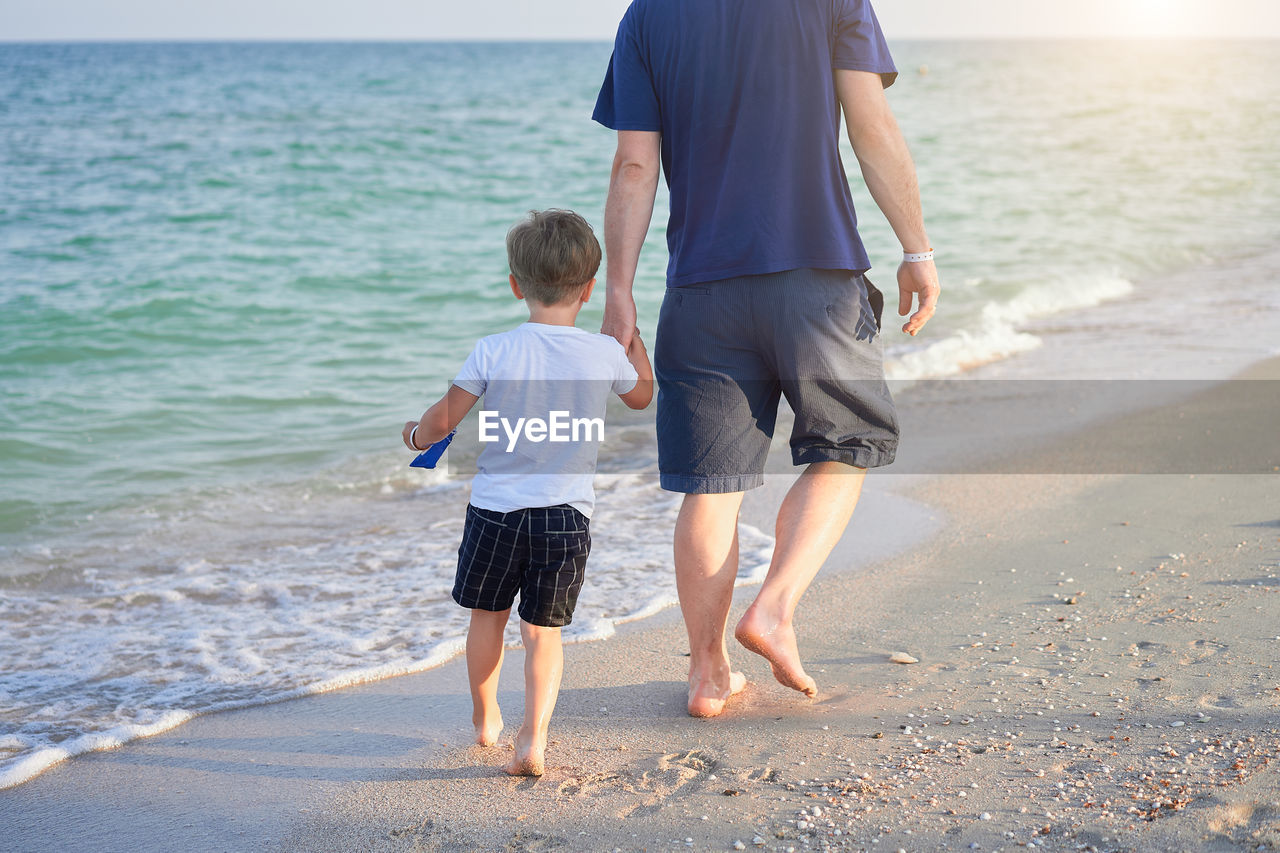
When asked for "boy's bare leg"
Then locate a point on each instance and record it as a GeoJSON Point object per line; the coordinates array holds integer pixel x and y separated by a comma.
{"type": "Point", "coordinates": [811, 520]}
{"type": "Point", "coordinates": [543, 666]}
{"type": "Point", "coordinates": [706, 556]}
{"type": "Point", "coordinates": [484, 661]}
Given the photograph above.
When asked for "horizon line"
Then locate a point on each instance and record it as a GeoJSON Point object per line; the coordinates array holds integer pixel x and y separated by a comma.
{"type": "Point", "coordinates": [593, 40]}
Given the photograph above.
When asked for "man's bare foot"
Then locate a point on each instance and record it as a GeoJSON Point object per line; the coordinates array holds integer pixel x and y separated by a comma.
{"type": "Point", "coordinates": [530, 754]}
{"type": "Point", "coordinates": [775, 641]}
{"type": "Point", "coordinates": [706, 699]}
{"type": "Point", "coordinates": [487, 728]}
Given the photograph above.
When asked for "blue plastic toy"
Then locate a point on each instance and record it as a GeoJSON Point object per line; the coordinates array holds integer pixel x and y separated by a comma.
{"type": "Point", "coordinates": [429, 457]}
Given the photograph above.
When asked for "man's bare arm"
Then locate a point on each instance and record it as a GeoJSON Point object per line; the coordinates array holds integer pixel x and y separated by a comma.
{"type": "Point", "coordinates": [627, 213]}
{"type": "Point", "coordinates": [891, 178]}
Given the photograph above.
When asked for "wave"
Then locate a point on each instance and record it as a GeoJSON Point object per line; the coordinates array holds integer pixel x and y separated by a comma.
{"type": "Point", "coordinates": [997, 334]}
{"type": "Point", "coordinates": [360, 593]}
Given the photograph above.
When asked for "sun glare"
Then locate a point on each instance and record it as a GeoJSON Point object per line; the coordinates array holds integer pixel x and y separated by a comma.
{"type": "Point", "coordinates": [1155, 18]}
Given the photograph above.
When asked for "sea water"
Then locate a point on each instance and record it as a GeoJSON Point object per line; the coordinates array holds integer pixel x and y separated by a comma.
{"type": "Point", "coordinates": [229, 272]}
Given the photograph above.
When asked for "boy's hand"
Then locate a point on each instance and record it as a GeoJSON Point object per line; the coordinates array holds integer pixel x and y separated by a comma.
{"type": "Point", "coordinates": [636, 346]}
{"type": "Point", "coordinates": [408, 429]}
{"type": "Point", "coordinates": [441, 419]}
{"type": "Point", "coordinates": [639, 396]}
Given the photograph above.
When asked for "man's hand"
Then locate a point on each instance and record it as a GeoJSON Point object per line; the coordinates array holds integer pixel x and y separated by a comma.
{"type": "Point", "coordinates": [620, 318]}
{"type": "Point", "coordinates": [921, 280]}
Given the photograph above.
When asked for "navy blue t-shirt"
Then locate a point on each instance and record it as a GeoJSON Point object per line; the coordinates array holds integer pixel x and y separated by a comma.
{"type": "Point", "coordinates": [743, 94]}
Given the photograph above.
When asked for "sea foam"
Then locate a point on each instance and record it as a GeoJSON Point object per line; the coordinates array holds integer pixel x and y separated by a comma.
{"type": "Point", "coordinates": [997, 334]}
{"type": "Point", "coordinates": [124, 655]}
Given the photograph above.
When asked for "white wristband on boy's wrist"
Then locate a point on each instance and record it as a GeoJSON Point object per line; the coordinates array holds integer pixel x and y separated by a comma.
{"type": "Point", "coordinates": [917, 257]}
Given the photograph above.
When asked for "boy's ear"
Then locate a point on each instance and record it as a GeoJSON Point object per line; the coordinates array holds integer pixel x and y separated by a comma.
{"type": "Point", "coordinates": [586, 291]}
{"type": "Point", "coordinates": [515, 287]}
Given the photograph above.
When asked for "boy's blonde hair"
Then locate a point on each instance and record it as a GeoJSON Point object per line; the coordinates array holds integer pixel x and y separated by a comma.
{"type": "Point", "coordinates": [552, 254]}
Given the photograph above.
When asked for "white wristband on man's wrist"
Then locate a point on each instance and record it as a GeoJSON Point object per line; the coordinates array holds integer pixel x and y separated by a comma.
{"type": "Point", "coordinates": [413, 439]}
{"type": "Point", "coordinates": [917, 257]}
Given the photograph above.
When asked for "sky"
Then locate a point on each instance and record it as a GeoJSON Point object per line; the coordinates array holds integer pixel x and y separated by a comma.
{"type": "Point", "coordinates": [59, 20]}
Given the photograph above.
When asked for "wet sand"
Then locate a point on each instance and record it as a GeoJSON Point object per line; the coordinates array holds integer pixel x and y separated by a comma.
{"type": "Point", "coordinates": [1097, 668]}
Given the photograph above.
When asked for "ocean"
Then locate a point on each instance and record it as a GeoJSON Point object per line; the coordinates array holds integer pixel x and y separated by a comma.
{"type": "Point", "coordinates": [230, 272]}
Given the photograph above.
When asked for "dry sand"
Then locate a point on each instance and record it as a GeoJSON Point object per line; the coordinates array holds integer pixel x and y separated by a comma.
{"type": "Point", "coordinates": [1097, 670]}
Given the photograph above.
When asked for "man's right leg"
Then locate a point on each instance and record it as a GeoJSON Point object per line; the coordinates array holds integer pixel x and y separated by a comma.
{"type": "Point", "coordinates": [717, 403]}
{"type": "Point", "coordinates": [706, 556]}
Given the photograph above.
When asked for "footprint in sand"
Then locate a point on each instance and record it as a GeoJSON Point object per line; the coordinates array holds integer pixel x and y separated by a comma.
{"type": "Point", "coordinates": [655, 783]}
{"type": "Point", "coordinates": [1245, 820]}
{"type": "Point", "coordinates": [594, 784]}
{"type": "Point", "coordinates": [676, 770]}
{"type": "Point", "coordinates": [1145, 651]}
{"type": "Point", "coordinates": [1221, 703]}
{"type": "Point", "coordinates": [1203, 650]}
{"type": "Point", "coordinates": [672, 774]}
{"type": "Point", "coordinates": [536, 842]}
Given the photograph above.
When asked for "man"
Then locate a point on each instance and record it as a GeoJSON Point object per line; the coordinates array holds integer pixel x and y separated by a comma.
{"type": "Point", "coordinates": [739, 101]}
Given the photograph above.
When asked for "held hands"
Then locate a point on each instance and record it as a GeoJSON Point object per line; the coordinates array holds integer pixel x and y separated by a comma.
{"type": "Point", "coordinates": [921, 279]}
{"type": "Point", "coordinates": [641, 394]}
{"type": "Point", "coordinates": [620, 318]}
{"type": "Point", "coordinates": [636, 346]}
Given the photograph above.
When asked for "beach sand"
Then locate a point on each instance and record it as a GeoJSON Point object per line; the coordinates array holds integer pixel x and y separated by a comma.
{"type": "Point", "coordinates": [1097, 669]}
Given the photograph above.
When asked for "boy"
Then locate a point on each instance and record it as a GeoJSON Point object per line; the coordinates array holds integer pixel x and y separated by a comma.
{"type": "Point", "coordinates": [527, 523]}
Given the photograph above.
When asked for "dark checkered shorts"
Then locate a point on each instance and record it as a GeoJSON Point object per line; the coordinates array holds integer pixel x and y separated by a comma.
{"type": "Point", "coordinates": [540, 553]}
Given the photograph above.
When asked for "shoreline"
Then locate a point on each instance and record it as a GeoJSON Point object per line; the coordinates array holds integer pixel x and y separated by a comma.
{"type": "Point", "coordinates": [1054, 414]}
{"type": "Point", "coordinates": [380, 765]}
{"type": "Point", "coordinates": [883, 505]}
{"type": "Point", "coordinates": [927, 458]}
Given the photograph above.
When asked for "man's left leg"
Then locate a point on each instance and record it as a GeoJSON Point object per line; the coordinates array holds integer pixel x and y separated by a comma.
{"type": "Point", "coordinates": [825, 342]}
{"type": "Point", "coordinates": [812, 519]}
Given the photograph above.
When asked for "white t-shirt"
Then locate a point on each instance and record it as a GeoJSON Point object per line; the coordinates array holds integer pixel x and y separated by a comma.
{"type": "Point", "coordinates": [560, 377]}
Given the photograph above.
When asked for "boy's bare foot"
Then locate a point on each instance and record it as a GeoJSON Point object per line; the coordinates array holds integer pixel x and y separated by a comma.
{"type": "Point", "coordinates": [706, 699]}
{"type": "Point", "coordinates": [775, 641]}
{"type": "Point", "coordinates": [487, 729]}
{"type": "Point", "coordinates": [530, 755]}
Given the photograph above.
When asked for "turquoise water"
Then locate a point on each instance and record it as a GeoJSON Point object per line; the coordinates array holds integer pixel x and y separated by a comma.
{"type": "Point", "coordinates": [226, 262]}
{"type": "Point", "coordinates": [229, 272]}
{"type": "Point", "coordinates": [236, 262]}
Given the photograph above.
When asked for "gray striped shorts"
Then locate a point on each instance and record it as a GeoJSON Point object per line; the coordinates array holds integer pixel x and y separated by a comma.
{"type": "Point", "coordinates": [726, 351]}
